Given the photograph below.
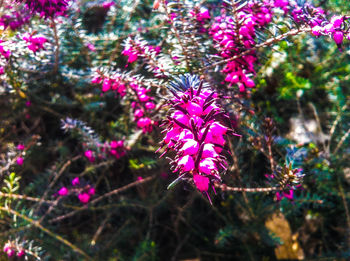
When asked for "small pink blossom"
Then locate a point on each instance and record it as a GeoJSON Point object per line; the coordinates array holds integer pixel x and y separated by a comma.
{"type": "Point", "coordinates": [84, 198]}
{"type": "Point", "coordinates": [91, 191]}
{"type": "Point", "coordinates": [63, 191]}
{"type": "Point", "coordinates": [186, 163]}
{"type": "Point", "coordinates": [76, 181]}
{"type": "Point", "coordinates": [20, 147]}
{"type": "Point", "coordinates": [20, 161]}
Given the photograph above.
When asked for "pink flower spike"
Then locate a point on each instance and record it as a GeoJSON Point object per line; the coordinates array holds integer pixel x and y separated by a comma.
{"type": "Point", "coordinates": [84, 198]}
{"type": "Point", "coordinates": [63, 191]}
{"type": "Point", "coordinates": [20, 161]}
{"type": "Point", "coordinates": [89, 155]}
{"type": "Point", "coordinates": [75, 181]}
{"type": "Point", "coordinates": [202, 183]}
{"type": "Point", "coordinates": [289, 195]}
{"type": "Point", "coordinates": [150, 105]}
{"type": "Point", "coordinates": [91, 47]}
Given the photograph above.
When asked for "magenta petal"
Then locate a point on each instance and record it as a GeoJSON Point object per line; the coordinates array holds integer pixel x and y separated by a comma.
{"type": "Point", "coordinates": [202, 183]}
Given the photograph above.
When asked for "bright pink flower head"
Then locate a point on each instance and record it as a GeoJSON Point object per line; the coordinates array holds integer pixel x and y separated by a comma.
{"type": "Point", "coordinates": [89, 155]}
{"type": "Point", "coordinates": [84, 198]}
{"type": "Point", "coordinates": [76, 181]}
{"type": "Point", "coordinates": [20, 161]}
{"type": "Point", "coordinates": [196, 132]}
{"type": "Point", "coordinates": [63, 191]}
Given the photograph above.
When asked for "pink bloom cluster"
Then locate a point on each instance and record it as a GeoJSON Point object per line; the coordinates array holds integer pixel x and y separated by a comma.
{"type": "Point", "coordinates": [20, 159]}
{"type": "Point", "coordinates": [231, 37]}
{"type": "Point", "coordinates": [11, 250]}
{"type": "Point", "coordinates": [316, 19]}
{"type": "Point", "coordinates": [46, 8]}
{"type": "Point", "coordinates": [113, 148]}
{"type": "Point", "coordinates": [143, 104]}
{"type": "Point", "coordinates": [14, 19]}
{"type": "Point", "coordinates": [113, 82]}
{"type": "Point", "coordinates": [83, 192]}
{"type": "Point", "coordinates": [135, 48]}
{"type": "Point", "coordinates": [142, 107]}
{"type": "Point", "coordinates": [35, 43]}
{"type": "Point", "coordinates": [196, 133]}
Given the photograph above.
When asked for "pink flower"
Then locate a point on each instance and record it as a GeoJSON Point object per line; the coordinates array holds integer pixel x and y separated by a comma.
{"type": "Point", "coordinates": [20, 147]}
{"type": "Point", "coordinates": [89, 155]}
{"type": "Point", "coordinates": [84, 198]}
{"type": "Point", "coordinates": [91, 191]}
{"type": "Point", "coordinates": [186, 163]}
{"type": "Point", "coordinates": [285, 194]}
{"type": "Point", "coordinates": [20, 161]}
{"type": "Point", "coordinates": [338, 37]}
{"type": "Point", "coordinates": [21, 253]}
{"type": "Point", "coordinates": [190, 147]}
{"type": "Point", "coordinates": [76, 181]}
{"type": "Point", "coordinates": [91, 47]}
{"type": "Point", "coordinates": [202, 183]}
{"type": "Point", "coordinates": [63, 191]}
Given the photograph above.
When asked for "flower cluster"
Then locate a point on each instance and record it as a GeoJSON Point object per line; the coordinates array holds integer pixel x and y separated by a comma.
{"type": "Point", "coordinates": [320, 25]}
{"type": "Point", "coordinates": [82, 190]}
{"type": "Point", "coordinates": [14, 19]}
{"type": "Point", "coordinates": [35, 43]}
{"type": "Point", "coordinates": [113, 148]}
{"type": "Point", "coordinates": [12, 249]}
{"type": "Point", "coordinates": [143, 104]}
{"type": "Point", "coordinates": [135, 48]}
{"type": "Point", "coordinates": [196, 132]}
{"type": "Point", "coordinates": [231, 37]}
{"type": "Point", "coordinates": [46, 8]}
{"type": "Point", "coordinates": [142, 107]}
{"type": "Point", "coordinates": [113, 82]}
